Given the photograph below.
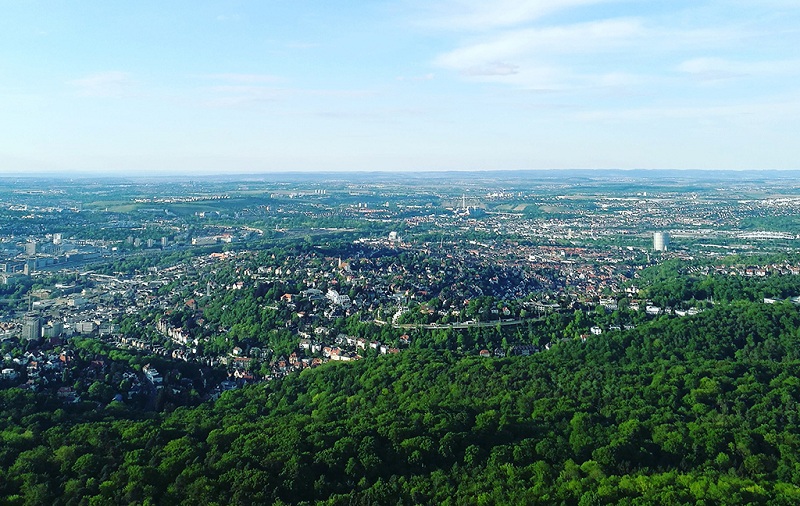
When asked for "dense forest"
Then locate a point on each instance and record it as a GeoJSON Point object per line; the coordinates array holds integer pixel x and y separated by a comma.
{"type": "Point", "coordinates": [694, 410]}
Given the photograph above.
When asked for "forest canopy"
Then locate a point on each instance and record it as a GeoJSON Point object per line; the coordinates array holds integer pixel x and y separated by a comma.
{"type": "Point", "coordinates": [700, 409]}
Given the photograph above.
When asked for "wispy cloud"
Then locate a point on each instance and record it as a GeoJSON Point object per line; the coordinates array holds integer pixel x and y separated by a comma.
{"type": "Point", "coordinates": [537, 42]}
{"type": "Point", "coordinates": [786, 107]}
{"type": "Point", "coordinates": [425, 77]}
{"type": "Point", "coordinates": [715, 69]}
{"type": "Point", "coordinates": [381, 114]}
{"type": "Point", "coordinates": [246, 93]}
{"type": "Point", "coordinates": [480, 15]}
{"type": "Point", "coordinates": [539, 57]}
{"type": "Point", "coordinates": [233, 90]}
{"type": "Point", "coordinates": [103, 84]}
{"type": "Point", "coordinates": [495, 68]}
{"type": "Point", "coordinates": [524, 49]}
{"type": "Point", "coordinates": [243, 94]}
{"type": "Point", "coordinates": [782, 4]}
{"type": "Point", "coordinates": [243, 78]}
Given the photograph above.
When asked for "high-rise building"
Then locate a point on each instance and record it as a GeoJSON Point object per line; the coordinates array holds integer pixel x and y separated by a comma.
{"type": "Point", "coordinates": [53, 329]}
{"type": "Point", "coordinates": [660, 241]}
{"type": "Point", "coordinates": [31, 327]}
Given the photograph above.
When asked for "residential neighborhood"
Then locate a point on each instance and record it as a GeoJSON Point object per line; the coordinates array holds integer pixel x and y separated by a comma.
{"type": "Point", "coordinates": [180, 298]}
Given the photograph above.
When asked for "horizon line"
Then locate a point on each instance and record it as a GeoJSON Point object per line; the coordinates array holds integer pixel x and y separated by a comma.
{"type": "Point", "coordinates": [204, 175]}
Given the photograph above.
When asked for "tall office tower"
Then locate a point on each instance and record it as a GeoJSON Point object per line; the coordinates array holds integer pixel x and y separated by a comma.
{"type": "Point", "coordinates": [660, 241]}
{"type": "Point", "coordinates": [31, 327]}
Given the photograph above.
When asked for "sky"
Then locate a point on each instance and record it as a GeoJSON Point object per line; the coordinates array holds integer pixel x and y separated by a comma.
{"type": "Point", "coordinates": [261, 86]}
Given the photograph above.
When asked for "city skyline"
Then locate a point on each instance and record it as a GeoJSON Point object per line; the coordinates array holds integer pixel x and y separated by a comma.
{"type": "Point", "coordinates": [246, 87]}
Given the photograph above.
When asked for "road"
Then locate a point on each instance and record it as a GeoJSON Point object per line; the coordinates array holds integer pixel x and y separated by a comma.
{"type": "Point", "coordinates": [465, 325]}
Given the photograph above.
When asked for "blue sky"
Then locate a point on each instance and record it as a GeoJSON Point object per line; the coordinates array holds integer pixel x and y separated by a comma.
{"type": "Point", "coordinates": [398, 85]}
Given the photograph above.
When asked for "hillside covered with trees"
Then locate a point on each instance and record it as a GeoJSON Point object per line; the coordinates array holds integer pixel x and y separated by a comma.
{"type": "Point", "coordinates": [701, 409]}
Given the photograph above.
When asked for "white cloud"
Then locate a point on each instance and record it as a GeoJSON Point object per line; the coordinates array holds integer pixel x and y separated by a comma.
{"type": "Point", "coordinates": [785, 107]}
{"type": "Point", "coordinates": [712, 69]}
{"type": "Point", "coordinates": [619, 79]}
{"type": "Point", "coordinates": [482, 15]}
{"type": "Point", "coordinates": [496, 68]}
{"type": "Point", "coordinates": [244, 94]}
{"type": "Point", "coordinates": [424, 77]}
{"type": "Point", "coordinates": [615, 52]}
{"type": "Point", "coordinates": [529, 76]}
{"type": "Point", "coordinates": [577, 38]}
{"type": "Point", "coordinates": [772, 4]}
{"type": "Point", "coordinates": [728, 37]}
{"type": "Point", "coordinates": [236, 95]}
{"type": "Point", "coordinates": [527, 57]}
{"type": "Point", "coordinates": [233, 90]}
{"type": "Point", "coordinates": [514, 43]}
{"type": "Point", "coordinates": [243, 78]}
{"type": "Point", "coordinates": [103, 84]}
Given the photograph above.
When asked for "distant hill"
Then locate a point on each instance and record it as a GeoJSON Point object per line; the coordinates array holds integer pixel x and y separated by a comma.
{"type": "Point", "coordinates": [413, 175]}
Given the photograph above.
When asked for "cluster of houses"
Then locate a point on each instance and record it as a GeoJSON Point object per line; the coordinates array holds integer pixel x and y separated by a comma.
{"type": "Point", "coordinates": [42, 370]}
{"type": "Point", "coordinates": [779, 269]}
{"type": "Point", "coordinates": [345, 348]}
{"type": "Point", "coordinates": [38, 367]}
